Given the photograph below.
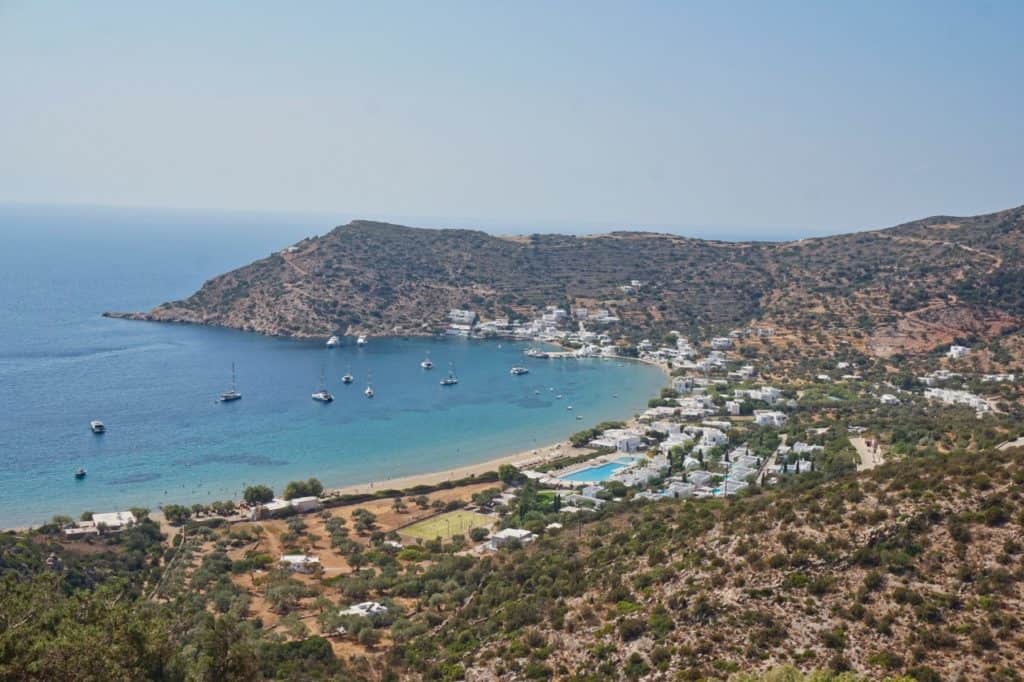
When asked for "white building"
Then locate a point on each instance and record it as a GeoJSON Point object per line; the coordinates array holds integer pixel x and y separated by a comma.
{"type": "Point", "coordinates": [732, 407]}
{"type": "Point", "coordinates": [956, 352]}
{"type": "Point", "coordinates": [769, 418]}
{"type": "Point", "coordinates": [114, 521]}
{"type": "Point", "coordinates": [300, 563]}
{"type": "Point", "coordinates": [721, 343]}
{"type": "Point", "coordinates": [889, 399]}
{"type": "Point", "coordinates": [364, 609]}
{"type": "Point", "coordinates": [504, 536]}
{"type": "Point", "coordinates": [457, 316]}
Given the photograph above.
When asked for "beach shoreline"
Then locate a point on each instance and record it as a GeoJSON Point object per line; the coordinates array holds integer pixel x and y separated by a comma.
{"type": "Point", "coordinates": [523, 459]}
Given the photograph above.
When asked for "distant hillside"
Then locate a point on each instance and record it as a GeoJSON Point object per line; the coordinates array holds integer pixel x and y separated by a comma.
{"type": "Point", "coordinates": [903, 289]}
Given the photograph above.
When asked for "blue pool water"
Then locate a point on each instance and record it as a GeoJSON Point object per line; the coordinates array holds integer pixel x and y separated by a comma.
{"type": "Point", "coordinates": [169, 440]}
{"type": "Point", "coordinates": [596, 474]}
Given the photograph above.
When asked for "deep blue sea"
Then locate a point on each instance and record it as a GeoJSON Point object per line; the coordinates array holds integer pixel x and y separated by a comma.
{"type": "Point", "coordinates": [155, 386]}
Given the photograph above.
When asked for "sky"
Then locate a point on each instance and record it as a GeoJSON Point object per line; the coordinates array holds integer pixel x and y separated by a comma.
{"type": "Point", "coordinates": [733, 119]}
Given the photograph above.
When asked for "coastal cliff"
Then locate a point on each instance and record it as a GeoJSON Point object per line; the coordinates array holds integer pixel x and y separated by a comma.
{"type": "Point", "coordinates": [898, 290]}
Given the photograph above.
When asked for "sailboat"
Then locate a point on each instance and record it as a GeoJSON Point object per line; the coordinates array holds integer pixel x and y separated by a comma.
{"type": "Point", "coordinates": [347, 379]}
{"type": "Point", "coordinates": [368, 392]}
{"type": "Point", "coordinates": [427, 364]}
{"type": "Point", "coordinates": [323, 395]}
{"type": "Point", "coordinates": [233, 394]}
{"type": "Point", "coordinates": [450, 380]}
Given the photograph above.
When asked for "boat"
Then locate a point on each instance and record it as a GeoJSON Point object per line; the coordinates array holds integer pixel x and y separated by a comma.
{"type": "Point", "coordinates": [427, 364]}
{"type": "Point", "coordinates": [579, 418]}
{"type": "Point", "coordinates": [558, 397]}
{"type": "Point", "coordinates": [368, 391]}
{"type": "Point", "coordinates": [323, 395]}
{"type": "Point", "coordinates": [233, 394]}
{"type": "Point", "coordinates": [80, 474]}
{"type": "Point", "coordinates": [518, 371]}
{"type": "Point", "coordinates": [568, 407]}
{"type": "Point", "coordinates": [451, 379]}
{"type": "Point", "coordinates": [97, 426]}
{"type": "Point", "coordinates": [333, 342]}
{"type": "Point", "coordinates": [361, 340]}
{"type": "Point", "coordinates": [348, 378]}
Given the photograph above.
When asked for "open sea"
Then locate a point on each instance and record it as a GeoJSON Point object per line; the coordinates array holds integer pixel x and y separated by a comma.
{"type": "Point", "coordinates": [154, 386]}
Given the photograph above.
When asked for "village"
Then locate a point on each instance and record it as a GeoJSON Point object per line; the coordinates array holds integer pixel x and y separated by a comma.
{"type": "Point", "coordinates": [302, 561]}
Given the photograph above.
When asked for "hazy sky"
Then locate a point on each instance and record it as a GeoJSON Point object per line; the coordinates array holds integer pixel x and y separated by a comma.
{"type": "Point", "coordinates": [766, 117]}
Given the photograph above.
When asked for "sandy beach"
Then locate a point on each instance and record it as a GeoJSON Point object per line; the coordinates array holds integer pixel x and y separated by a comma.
{"type": "Point", "coordinates": [521, 460]}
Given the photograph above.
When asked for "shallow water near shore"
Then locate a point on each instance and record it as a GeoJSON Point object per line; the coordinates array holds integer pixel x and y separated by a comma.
{"type": "Point", "coordinates": [155, 386]}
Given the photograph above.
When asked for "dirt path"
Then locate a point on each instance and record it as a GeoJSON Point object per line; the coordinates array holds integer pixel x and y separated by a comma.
{"type": "Point", "coordinates": [869, 457]}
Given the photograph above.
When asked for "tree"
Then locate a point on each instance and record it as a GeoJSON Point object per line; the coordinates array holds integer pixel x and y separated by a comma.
{"type": "Point", "coordinates": [508, 474]}
{"type": "Point", "coordinates": [258, 494]}
{"type": "Point", "coordinates": [176, 514]}
{"type": "Point", "coordinates": [308, 488]}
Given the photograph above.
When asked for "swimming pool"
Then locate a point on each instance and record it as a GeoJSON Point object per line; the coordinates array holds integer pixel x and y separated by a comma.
{"type": "Point", "coordinates": [596, 474]}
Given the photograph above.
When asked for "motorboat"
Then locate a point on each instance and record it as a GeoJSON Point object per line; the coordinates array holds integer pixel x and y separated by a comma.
{"type": "Point", "coordinates": [427, 364]}
{"type": "Point", "coordinates": [361, 340]}
{"type": "Point", "coordinates": [97, 426]}
{"type": "Point", "coordinates": [518, 371]}
{"type": "Point", "coordinates": [368, 391]}
{"type": "Point", "coordinates": [333, 342]}
{"type": "Point", "coordinates": [80, 474]}
{"type": "Point", "coordinates": [322, 395]}
{"type": "Point", "coordinates": [348, 378]}
{"type": "Point", "coordinates": [233, 394]}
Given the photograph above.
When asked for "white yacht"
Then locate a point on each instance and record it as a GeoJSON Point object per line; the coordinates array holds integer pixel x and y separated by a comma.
{"type": "Point", "coordinates": [233, 394]}
{"type": "Point", "coordinates": [451, 379]}
{"type": "Point", "coordinates": [333, 342]}
{"type": "Point", "coordinates": [361, 340]}
{"type": "Point", "coordinates": [348, 378]}
{"type": "Point", "coordinates": [427, 364]}
{"type": "Point", "coordinates": [518, 371]}
{"type": "Point", "coordinates": [323, 395]}
{"type": "Point", "coordinates": [97, 426]}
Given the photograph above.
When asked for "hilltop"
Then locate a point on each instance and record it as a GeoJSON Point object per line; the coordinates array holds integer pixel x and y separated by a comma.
{"type": "Point", "coordinates": [904, 289]}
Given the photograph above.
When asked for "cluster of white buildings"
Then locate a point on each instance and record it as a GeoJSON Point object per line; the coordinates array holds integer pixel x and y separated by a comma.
{"type": "Point", "coordinates": [951, 396]}
{"type": "Point", "coordinates": [104, 522]}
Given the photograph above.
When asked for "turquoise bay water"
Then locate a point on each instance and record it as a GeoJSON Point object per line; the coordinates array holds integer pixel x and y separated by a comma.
{"type": "Point", "coordinates": [169, 440]}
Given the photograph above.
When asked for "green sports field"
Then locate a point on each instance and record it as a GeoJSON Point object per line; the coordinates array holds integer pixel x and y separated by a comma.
{"type": "Point", "coordinates": [446, 525]}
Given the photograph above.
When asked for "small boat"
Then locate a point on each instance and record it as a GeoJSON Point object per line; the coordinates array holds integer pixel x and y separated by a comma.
{"type": "Point", "coordinates": [361, 340]}
{"type": "Point", "coordinates": [450, 380]}
{"type": "Point", "coordinates": [518, 371]}
{"type": "Point", "coordinates": [348, 378]}
{"type": "Point", "coordinates": [579, 418]}
{"type": "Point", "coordinates": [558, 397]}
{"type": "Point", "coordinates": [568, 407]}
{"type": "Point", "coordinates": [80, 474]}
{"type": "Point", "coordinates": [233, 394]}
{"type": "Point", "coordinates": [368, 391]}
{"type": "Point", "coordinates": [97, 426]}
{"type": "Point", "coordinates": [323, 395]}
{"type": "Point", "coordinates": [427, 364]}
{"type": "Point", "coordinates": [333, 342]}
